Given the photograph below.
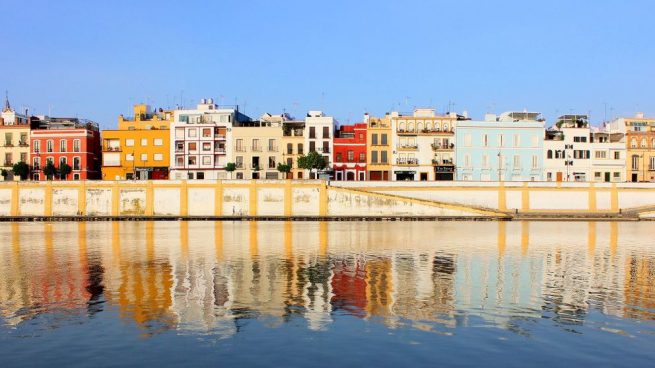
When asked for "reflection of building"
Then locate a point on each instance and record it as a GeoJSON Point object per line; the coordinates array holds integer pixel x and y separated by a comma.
{"type": "Point", "coordinates": [349, 287]}
{"type": "Point", "coordinates": [140, 148]}
{"type": "Point", "coordinates": [639, 289]}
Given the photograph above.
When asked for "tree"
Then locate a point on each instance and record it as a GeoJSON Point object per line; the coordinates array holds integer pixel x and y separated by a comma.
{"type": "Point", "coordinates": [64, 170]}
{"type": "Point", "coordinates": [21, 169]}
{"type": "Point", "coordinates": [49, 170]}
{"type": "Point", "coordinates": [313, 161]}
{"type": "Point", "coordinates": [284, 168]}
{"type": "Point", "coordinates": [230, 167]}
{"type": "Point", "coordinates": [4, 174]}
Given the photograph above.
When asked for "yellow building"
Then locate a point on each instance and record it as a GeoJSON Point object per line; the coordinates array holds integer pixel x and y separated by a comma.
{"type": "Point", "coordinates": [15, 139]}
{"type": "Point", "coordinates": [140, 148]}
{"type": "Point", "coordinates": [378, 147]}
{"type": "Point", "coordinates": [293, 146]}
{"type": "Point", "coordinates": [640, 146]}
{"type": "Point", "coordinates": [256, 147]}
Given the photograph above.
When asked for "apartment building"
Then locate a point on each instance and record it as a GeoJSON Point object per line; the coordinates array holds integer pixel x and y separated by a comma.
{"type": "Point", "coordinates": [139, 148]}
{"type": "Point", "coordinates": [378, 147]}
{"type": "Point", "coordinates": [257, 147]}
{"type": "Point", "coordinates": [319, 129]}
{"type": "Point", "coordinates": [293, 145]}
{"type": "Point", "coordinates": [640, 146]}
{"type": "Point", "coordinates": [14, 139]}
{"type": "Point", "coordinates": [349, 161]}
{"type": "Point", "coordinates": [199, 140]}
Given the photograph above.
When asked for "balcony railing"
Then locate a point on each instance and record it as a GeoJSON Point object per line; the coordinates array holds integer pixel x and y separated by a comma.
{"type": "Point", "coordinates": [219, 150]}
{"type": "Point", "coordinates": [408, 146]}
{"type": "Point", "coordinates": [239, 165]}
{"type": "Point", "coordinates": [407, 161]}
{"type": "Point", "coordinates": [442, 162]}
{"type": "Point", "coordinates": [240, 149]}
{"type": "Point", "coordinates": [438, 146]}
{"type": "Point", "coordinates": [8, 163]}
{"type": "Point", "coordinates": [256, 148]}
{"type": "Point", "coordinates": [112, 149]}
{"type": "Point", "coordinates": [219, 136]}
{"type": "Point", "coordinates": [23, 144]}
{"type": "Point", "coordinates": [326, 150]}
{"type": "Point", "coordinates": [272, 148]}
{"type": "Point", "coordinates": [9, 144]}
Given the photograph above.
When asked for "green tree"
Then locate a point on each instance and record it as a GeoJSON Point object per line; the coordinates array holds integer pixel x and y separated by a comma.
{"type": "Point", "coordinates": [284, 168]}
{"type": "Point", "coordinates": [4, 174]}
{"type": "Point", "coordinates": [49, 170]}
{"type": "Point", "coordinates": [312, 161]}
{"type": "Point", "coordinates": [230, 167]}
{"type": "Point", "coordinates": [64, 170]}
{"type": "Point", "coordinates": [21, 169]}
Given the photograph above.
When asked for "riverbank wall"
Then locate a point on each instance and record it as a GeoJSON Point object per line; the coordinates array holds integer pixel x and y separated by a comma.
{"type": "Point", "coordinates": [320, 200]}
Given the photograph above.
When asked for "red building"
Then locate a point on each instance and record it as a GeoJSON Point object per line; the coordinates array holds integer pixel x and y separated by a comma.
{"type": "Point", "coordinates": [72, 141]}
{"type": "Point", "coordinates": [349, 161]}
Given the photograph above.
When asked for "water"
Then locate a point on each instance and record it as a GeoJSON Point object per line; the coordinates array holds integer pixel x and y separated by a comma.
{"type": "Point", "coordinates": [326, 294]}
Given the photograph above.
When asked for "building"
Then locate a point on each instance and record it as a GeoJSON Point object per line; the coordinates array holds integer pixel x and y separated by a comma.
{"type": "Point", "coordinates": [15, 144]}
{"type": "Point", "coordinates": [349, 160]}
{"type": "Point", "coordinates": [640, 146]}
{"type": "Point", "coordinates": [504, 148]}
{"type": "Point", "coordinates": [293, 145]}
{"type": "Point", "coordinates": [199, 137]}
{"type": "Point", "coordinates": [256, 147]}
{"type": "Point", "coordinates": [319, 137]}
{"type": "Point", "coordinates": [378, 147]}
{"type": "Point", "coordinates": [573, 151]}
{"type": "Point", "coordinates": [139, 148]}
{"type": "Point", "coordinates": [71, 141]}
{"type": "Point", "coordinates": [424, 146]}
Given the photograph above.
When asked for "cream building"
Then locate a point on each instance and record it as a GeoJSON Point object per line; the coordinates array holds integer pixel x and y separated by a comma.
{"type": "Point", "coordinates": [256, 148]}
{"type": "Point", "coordinates": [15, 139]}
{"type": "Point", "coordinates": [319, 129]}
{"type": "Point", "coordinates": [293, 145]}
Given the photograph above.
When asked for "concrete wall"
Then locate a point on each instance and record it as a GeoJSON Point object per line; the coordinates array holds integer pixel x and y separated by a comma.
{"type": "Point", "coordinates": [315, 198]}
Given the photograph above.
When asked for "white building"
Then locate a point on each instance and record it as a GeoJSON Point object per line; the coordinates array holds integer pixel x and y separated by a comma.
{"type": "Point", "coordinates": [319, 130]}
{"type": "Point", "coordinates": [573, 151]}
{"type": "Point", "coordinates": [199, 137]}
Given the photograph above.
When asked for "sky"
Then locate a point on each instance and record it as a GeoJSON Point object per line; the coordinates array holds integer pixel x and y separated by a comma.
{"type": "Point", "coordinates": [95, 59]}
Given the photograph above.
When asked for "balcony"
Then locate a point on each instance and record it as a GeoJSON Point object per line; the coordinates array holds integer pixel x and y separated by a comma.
{"type": "Point", "coordinates": [23, 144]}
{"type": "Point", "coordinates": [442, 162]}
{"type": "Point", "coordinates": [272, 148]}
{"type": "Point", "coordinates": [219, 150]}
{"type": "Point", "coordinates": [326, 150]}
{"type": "Point", "coordinates": [408, 147]}
{"type": "Point", "coordinates": [407, 161]}
{"type": "Point", "coordinates": [8, 163]}
{"type": "Point", "coordinates": [9, 144]}
{"type": "Point", "coordinates": [406, 132]}
{"type": "Point", "coordinates": [256, 148]}
{"type": "Point", "coordinates": [240, 149]}
{"type": "Point", "coordinates": [442, 147]}
{"type": "Point", "coordinates": [112, 149]}
{"type": "Point", "coordinates": [239, 165]}
{"type": "Point", "coordinates": [219, 137]}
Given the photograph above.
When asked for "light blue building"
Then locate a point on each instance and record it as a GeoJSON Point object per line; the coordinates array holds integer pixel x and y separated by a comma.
{"type": "Point", "coordinates": [504, 148]}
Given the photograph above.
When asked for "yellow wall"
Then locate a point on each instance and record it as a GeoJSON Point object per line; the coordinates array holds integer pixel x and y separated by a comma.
{"type": "Point", "coordinates": [644, 153]}
{"type": "Point", "coordinates": [263, 134]}
{"type": "Point", "coordinates": [378, 126]}
{"type": "Point", "coordinates": [15, 149]}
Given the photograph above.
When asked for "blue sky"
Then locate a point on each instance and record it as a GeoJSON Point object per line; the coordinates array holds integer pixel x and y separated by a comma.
{"type": "Point", "coordinates": [95, 59]}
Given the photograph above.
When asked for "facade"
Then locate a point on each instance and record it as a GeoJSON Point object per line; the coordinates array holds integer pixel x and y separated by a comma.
{"type": "Point", "coordinates": [140, 148]}
{"type": "Point", "coordinates": [256, 148]}
{"type": "Point", "coordinates": [378, 147]}
{"type": "Point", "coordinates": [199, 141]}
{"type": "Point", "coordinates": [504, 148]}
{"type": "Point", "coordinates": [424, 146]}
{"type": "Point", "coordinates": [349, 160]}
{"type": "Point", "coordinates": [293, 145]}
{"type": "Point", "coordinates": [640, 146]}
{"type": "Point", "coordinates": [319, 129]}
{"type": "Point", "coordinates": [575, 152]}
{"type": "Point", "coordinates": [15, 139]}
{"type": "Point", "coordinates": [73, 141]}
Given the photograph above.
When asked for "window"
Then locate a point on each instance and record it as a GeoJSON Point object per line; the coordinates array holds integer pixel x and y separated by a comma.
{"type": "Point", "coordinates": [312, 146]}
{"type": "Point", "coordinates": [200, 175]}
{"type": "Point", "coordinates": [535, 141]}
{"type": "Point", "coordinates": [158, 142]}
{"type": "Point", "coordinates": [467, 140]}
{"type": "Point", "coordinates": [192, 160]}
{"type": "Point", "coordinates": [467, 160]}
{"type": "Point", "coordinates": [189, 175]}
{"type": "Point", "coordinates": [271, 162]}
{"type": "Point", "coordinates": [383, 139]}
{"type": "Point", "coordinates": [535, 162]}
{"type": "Point", "coordinates": [517, 140]}
{"type": "Point", "coordinates": [239, 162]}
{"type": "Point", "coordinates": [179, 161]}
{"type": "Point", "coordinates": [37, 146]}
{"type": "Point", "coordinates": [129, 142]}
{"type": "Point", "coordinates": [362, 157]}
{"type": "Point", "coordinates": [635, 162]}
{"type": "Point", "coordinates": [144, 157]}
{"type": "Point", "coordinates": [351, 156]}
{"type": "Point", "coordinates": [383, 157]}
{"type": "Point", "coordinates": [193, 146]}
{"type": "Point", "coordinates": [485, 140]}
{"type": "Point", "coordinates": [633, 143]}
{"type": "Point", "coordinates": [239, 146]}
{"type": "Point", "coordinates": [289, 148]}
{"type": "Point", "coordinates": [617, 155]}
{"type": "Point", "coordinates": [49, 146]}
{"type": "Point", "coordinates": [129, 157]}
{"type": "Point", "coordinates": [485, 161]}
{"type": "Point", "coordinates": [326, 132]}
{"type": "Point", "coordinates": [326, 146]}
{"type": "Point", "coordinates": [600, 154]}
{"type": "Point", "coordinates": [339, 157]}
{"type": "Point", "coordinates": [76, 163]}
{"type": "Point", "coordinates": [549, 176]}
{"type": "Point", "coordinates": [501, 162]}
{"type": "Point", "coordinates": [271, 145]}
{"type": "Point", "coordinates": [206, 132]}
{"type": "Point", "coordinates": [651, 164]}
{"type": "Point", "coordinates": [144, 142]}
{"type": "Point", "coordinates": [76, 145]}
{"type": "Point", "coordinates": [37, 163]}
{"type": "Point", "coordinates": [517, 162]}
{"type": "Point", "coordinates": [501, 140]}
{"type": "Point", "coordinates": [255, 145]}
{"type": "Point", "coordinates": [76, 176]}
{"type": "Point", "coordinates": [290, 162]}
{"type": "Point", "coordinates": [312, 132]}
{"type": "Point", "coordinates": [549, 154]}
{"type": "Point", "coordinates": [374, 157]}
{"type": "Point", "coordinates": [239, 175]}
{"type": "Point", "coordinates": [206, 146]}
{"type": "Point", "coordinates": [62, 145]}
{"type": "Point", "coordinates": [179, 133]}
{"type": "Point", "coordinates": [206, 160]}
{"type": "Point", "coordinates": [300, 149]}
{"type": "Point", "coordinates": [643, 143]}
{"type": "Point", "coordinates": [192, 133]}
{"type": "Point", "coordinates": [179, 146]}
{"type": "Point", "coordinates": [158, 157]}
{"type": "Point", "coordinates": [62, 161]}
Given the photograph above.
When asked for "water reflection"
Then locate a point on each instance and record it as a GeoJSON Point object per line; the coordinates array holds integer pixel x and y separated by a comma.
{"type": "Point", "coordinates": [212, 278]}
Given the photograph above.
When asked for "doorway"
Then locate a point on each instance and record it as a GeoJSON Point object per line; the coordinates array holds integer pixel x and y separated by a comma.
{"type": "Point", "coordinates": [559, 176]}
{"type": "Point", "coordinates": [607, 177]}
{"type": "Point", "coordinates": [635, 177]}
{"type": "Point", "coordinates": [424, 176]}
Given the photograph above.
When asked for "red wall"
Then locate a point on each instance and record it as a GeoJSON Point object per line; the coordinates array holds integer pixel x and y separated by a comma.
{"type": "Point", "coordinates": [356, 144]}
{"type": "Point", "coordinates": [90, 159]}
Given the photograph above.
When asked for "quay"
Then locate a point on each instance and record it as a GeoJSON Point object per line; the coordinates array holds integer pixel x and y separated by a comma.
{"type": "Point", "coordinates": [317, 200]}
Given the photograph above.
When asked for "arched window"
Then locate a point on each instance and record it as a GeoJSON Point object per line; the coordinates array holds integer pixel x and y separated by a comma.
{"type": "Point", "coordinates": [428, 126]}
{"type": "Point", "coordinates": [643, 143]}
{"type": "Point", "coordinates": [633, 143]}
{"type": "Point", "coordinates": [401, 127]}
{"type": "Point", "coordinates": [549, 154]}
{"type": "Point", "coordinates": [419, 127]}
{"type": "Point", "coordinates": [410, 127]}
{"type": "Point", "coordinates": [446, 127]}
